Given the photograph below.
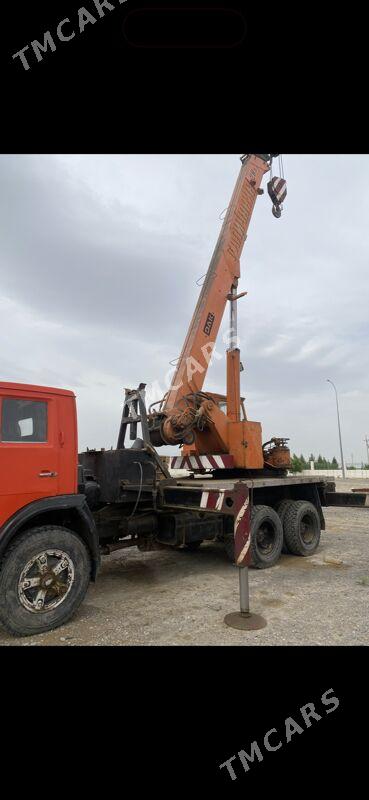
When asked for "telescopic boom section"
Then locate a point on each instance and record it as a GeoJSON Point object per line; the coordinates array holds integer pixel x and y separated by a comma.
{"type": "Point", "coordinates": [221, 280]}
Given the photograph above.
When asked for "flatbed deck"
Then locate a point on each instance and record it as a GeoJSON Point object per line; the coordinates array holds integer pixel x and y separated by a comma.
{"type": "Point", "coordinates": [254, 483]}
{"type": "Point", "coordinates": [323, 484]}
{"type": "Point", "coordinates": [215, 494]}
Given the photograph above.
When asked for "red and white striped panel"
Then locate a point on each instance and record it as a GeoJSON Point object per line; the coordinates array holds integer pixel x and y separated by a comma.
{"type": "Point", "coordinates": [242, 539]}
{"type": "Point", "coordinates": [213, 500]}
{"type": "Point", "coordinates": [202, 462]}
{"type": "Point", "coordinates": [277, 189]}
{"type": "Point", "coordinates": [216, 500]}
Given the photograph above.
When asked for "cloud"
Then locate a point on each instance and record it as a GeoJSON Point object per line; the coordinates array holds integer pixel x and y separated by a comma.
{"type": "Point", "coordinates": [99, 258]}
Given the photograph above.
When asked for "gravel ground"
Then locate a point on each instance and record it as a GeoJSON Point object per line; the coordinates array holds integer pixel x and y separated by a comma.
{"type": "Point", "coordinates": [181, 598]}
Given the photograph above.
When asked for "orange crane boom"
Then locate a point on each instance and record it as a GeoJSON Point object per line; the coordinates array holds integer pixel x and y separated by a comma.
{"type": "Point", "coordinates": [221, 279]}
{"type": "Point", "coordinates": [187, 415]}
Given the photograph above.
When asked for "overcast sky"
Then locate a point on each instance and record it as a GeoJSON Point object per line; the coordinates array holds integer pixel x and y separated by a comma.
{"type": "Point", "coordinates": [99, 261]}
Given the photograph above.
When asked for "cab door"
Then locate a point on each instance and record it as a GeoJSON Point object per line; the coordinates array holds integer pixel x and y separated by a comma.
{"type": "Point", "coordinates": [28, 449]}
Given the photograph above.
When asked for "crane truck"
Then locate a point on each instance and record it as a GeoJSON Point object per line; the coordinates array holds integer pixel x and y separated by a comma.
{"type": "Point", "coordinates": [60, 510]}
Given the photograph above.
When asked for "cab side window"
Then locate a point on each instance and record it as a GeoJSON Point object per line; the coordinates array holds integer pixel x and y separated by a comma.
{"type": "Point", "coordinates": [23, 420]}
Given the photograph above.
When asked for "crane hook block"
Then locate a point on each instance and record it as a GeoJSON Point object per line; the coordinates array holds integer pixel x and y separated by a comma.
{"type": "Point", "coordinates": [277, 190]}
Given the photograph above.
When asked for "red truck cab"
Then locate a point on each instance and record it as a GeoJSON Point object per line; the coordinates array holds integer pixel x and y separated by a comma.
{"type": "Point", "coordinates": [38, 445]}
{"type": "Point", "coordinates": [49, 547]}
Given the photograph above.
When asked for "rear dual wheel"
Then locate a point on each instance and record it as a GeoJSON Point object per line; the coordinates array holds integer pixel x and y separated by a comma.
{"type": "Point", "coordinates": [301, 527]}
{"type": "Point", "coordinates": [266, 537]}
{"type": "Point", "coordinates": [281, 509]}
{"type": "Point", "coordinates": [294, 526]}
{"type": "Point", "coordinates": [266, 534]}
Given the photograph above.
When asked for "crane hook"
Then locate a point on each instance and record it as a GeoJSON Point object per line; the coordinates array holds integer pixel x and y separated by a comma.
{"type": "Point", "coordinates": [276, 211]}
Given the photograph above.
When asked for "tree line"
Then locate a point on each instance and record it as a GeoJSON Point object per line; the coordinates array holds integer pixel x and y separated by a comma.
{"type": "Point", "coordinates": [299, 463]}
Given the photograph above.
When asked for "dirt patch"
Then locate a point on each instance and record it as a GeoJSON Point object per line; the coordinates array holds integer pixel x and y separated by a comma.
{"type": "Point", "coordinates": [272, 603]}
{"type": "Point", "coordinates": [181, 598]}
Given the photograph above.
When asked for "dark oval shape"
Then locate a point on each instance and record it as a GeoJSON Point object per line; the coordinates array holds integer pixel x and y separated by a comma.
{"type": "Point", "coordinates": [184, 27]}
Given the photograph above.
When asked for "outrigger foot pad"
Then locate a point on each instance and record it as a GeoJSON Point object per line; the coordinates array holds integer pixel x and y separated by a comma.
{"type": "Point", "coordinates": [245, 621]}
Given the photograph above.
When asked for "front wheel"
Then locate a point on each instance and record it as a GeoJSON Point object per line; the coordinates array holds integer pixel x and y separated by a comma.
{"type": "Point", "coordinates": [43, 579]}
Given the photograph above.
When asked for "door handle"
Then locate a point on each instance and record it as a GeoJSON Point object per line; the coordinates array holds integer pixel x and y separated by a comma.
{"type": "Point", "coordinates": [47, 474]}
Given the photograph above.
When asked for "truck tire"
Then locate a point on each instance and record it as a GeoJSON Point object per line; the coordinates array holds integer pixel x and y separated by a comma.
{"type": "Point", "coordinates": [33, 598]}
{"type": "Point", "coordinates": [302, 528]}
{"type": "Point", "coordinates": [266, 537]}
{"type": "Point", "coordinates": [281, 509]}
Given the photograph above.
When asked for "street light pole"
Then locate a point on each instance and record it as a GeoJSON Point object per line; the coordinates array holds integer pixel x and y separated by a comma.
{"type": "Point", "coordinates": [339, 429]}
{"type": "Point", "coordinates": [367, 448]}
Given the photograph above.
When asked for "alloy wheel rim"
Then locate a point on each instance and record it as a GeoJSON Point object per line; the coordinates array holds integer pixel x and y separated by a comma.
{"type": "Point", "coordinates": [46, 581]}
